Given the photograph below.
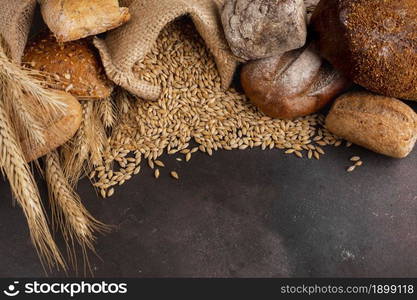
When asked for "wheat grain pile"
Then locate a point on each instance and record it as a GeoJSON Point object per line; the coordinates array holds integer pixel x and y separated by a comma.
{"type": "Point", "coordinates": [193, 107]}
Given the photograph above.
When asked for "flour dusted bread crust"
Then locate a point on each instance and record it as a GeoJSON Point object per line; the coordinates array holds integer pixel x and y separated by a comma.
{"type": "Point", "coordinates": [58, 130]}
{"type": "Point", "coordinates": [381, 124]}
{"type": "Point", "coordinates": [74, 66]}
{"type": "Point", "coordinates": [71, 20]}
{"type": "Point", "coordinates": [295, 84]}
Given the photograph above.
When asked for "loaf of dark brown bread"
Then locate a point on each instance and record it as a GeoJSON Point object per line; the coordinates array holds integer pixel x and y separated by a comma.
{"type": "Point", "coordinates": [372, 42]}
{"type": "Point", "coordinates": [295, 84]}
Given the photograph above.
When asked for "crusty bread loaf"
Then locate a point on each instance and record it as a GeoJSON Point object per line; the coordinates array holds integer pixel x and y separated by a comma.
{"type": "Point", "coordinates": [372, 42]}
{"type": "Point", "coordinates": [58, 129]}
{"type": "Point", "coordinates": [71, 20]}
{"type": "Point", "coordinates": [295, 84]}
{"type": "Point", "coordinates": [381, 124]}
{"type": "Point", "coordinates": [74, 66]}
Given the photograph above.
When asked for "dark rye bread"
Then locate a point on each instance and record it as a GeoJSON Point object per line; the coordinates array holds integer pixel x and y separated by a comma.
{"type": "Point", "coordinates": [381, 124]}
{"type": "Point", "coordinates": [373, 42]}
{"type": "Point", "coordinates": [295, 84]}
{"type": "Point", "coordinates": [74, 66]}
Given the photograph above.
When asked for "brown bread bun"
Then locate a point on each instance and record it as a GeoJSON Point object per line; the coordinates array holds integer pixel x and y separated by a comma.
{"type": "Point", "coordinates": [75, 66]}
{"type": "Point", "coordinates": [295, 84]}
{"type": "Point", "coordinates": [372, 42]}
{"type": "Point", "coordinates": [71, 20]}
{"type": "Point", "coordinates": [381, 124]}
{"type": "Point", "coordinates": [58, 130]}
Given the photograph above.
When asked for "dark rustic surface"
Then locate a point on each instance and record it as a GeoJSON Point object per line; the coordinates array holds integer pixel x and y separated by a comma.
{"type": "Point", "coordinates": [247, 213]}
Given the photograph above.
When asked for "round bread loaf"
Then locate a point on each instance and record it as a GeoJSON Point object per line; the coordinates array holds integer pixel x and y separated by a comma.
{"type": "Point", "coordinates": [74, 67]}
{"type": "Point", "coordinates": [59, 128]}
{"type": "Point", "coordinates": [295, 84]}
{"type": "Point", "coordinates": [262, 28]}
{"type": "Point", "coordinates": [373, 42]}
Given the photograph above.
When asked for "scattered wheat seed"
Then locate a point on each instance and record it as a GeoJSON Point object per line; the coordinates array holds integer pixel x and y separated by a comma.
{"type": "Point", "coordinates": [298, 154]}
{"type": "Point", "coordinates": [151, 164]}
{"type": "Point", "coordinates": [110, 192]}
{"type": "Point", "coordinates": [159, 163]}
{"type": "Point", "coordinates": [174, 175]}
{"type": "Point", "coordinates": [319, 150]}
{"type": "Point", "coordinates": [351, 169]}
{"type": "Point", "coordinates": [355, 158]}
{"type": "Point", "coordinates": [358, 163]}
{"type": "Point", "coordinates": [137, 170]}
{"type": "Point", "coordinates": [156, 174]}
{"type": "Point", "coordinates": [188, 156]}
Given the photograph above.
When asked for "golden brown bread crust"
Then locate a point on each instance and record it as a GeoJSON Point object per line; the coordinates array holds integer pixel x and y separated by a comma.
{"type": "Point", "coordinates": [75, 66]}
{"type": "Point", "coordinates": [295, 84]}
{"type": "Point", "coordinates": [58, 130]}
{"type": "Point", "coordinates": [381, 124]}
{"type": "Point", "coordinates": [71, 20]}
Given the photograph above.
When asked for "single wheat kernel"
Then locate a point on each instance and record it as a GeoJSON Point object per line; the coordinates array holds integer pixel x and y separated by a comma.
{"type": "Point", "coordinates": [110, 192]}
{"type": "Point", "coordinates": [351, 169]}
{"type": "Point", "coordinates": [159, 163]}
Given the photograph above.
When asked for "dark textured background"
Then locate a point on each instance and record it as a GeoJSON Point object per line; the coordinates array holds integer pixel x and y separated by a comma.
{"type": "Point", "coordinates": [247, 213]}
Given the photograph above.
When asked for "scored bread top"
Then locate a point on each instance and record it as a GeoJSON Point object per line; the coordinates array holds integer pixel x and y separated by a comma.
{"type": "Point", "coordinates": [377, 105]}
{"type": "Point", "coordinates": [74, 66]}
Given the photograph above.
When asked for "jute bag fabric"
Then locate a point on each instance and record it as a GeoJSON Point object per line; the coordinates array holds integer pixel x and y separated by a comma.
{"type": "Point", "coordinates": [123, 47]}
{"type": "Point", "coordinates": [15, 20]}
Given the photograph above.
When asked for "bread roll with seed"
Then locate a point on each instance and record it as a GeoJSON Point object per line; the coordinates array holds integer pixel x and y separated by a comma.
{"type": "Point", "coordinates": [381, 124]}
{"type": "Point", "coordinates": [74, 67]}
{"type": "Point", "coordinates": [58, 128]}
{"type": "Point", "coordinates": [71, 20]}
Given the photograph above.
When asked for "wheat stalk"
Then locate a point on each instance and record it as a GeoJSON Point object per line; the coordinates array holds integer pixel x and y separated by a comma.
{"type": "Point", "coordinates": [75, 222]}
{"type": "Point", "coordinates": [25, 191]}
{"type": "Point", "coordinates": [27, 124]}
{"type": "Point", "coordinates": [97, 137]}
{"type": "Point", "coordinates": [106, 112]}
{"type": "Point", "coordinates": [123, 101]}
{"type": "Point", "coordinates": [25, 81]}
{"type": "Point", "coordinates": [76, 151]}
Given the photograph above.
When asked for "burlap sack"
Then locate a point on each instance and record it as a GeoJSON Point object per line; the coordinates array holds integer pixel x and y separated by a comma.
{"type": "Point", "coordinates": [125, 46]}
{"type": "Point", "coordinates": [15, 21]}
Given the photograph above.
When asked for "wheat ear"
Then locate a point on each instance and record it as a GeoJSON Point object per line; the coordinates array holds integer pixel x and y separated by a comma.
{"type": "Point", "coordinates": [97, 138]}
{"type": "Point", "coordinates": [26, 81]}
{"type": "Point", "coordinates": [106, 112]}
{"type": "Point", "coordinates": [123, 101]}
{"type": "Point", "coordinates": [29, 127]}
{"type": "Point", "coordinates": [69, 215]}
{"type": "Point", "coordinates": [75, 153]}
{"type": "Point", "coordinates": [25, 191]}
